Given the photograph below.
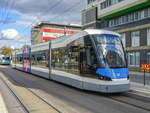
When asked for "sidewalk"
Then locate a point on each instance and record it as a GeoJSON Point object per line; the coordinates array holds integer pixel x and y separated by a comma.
{"type": "Point", "coordinates": [140, 89]}
{"type": "Point", "coordinates": [138, 73]}
{"type": "Point", "coordinates": [2, 105]}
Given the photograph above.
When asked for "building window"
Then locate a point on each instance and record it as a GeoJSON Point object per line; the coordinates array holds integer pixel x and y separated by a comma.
{"type": "Point", "coordinates": [148, 58]}
{"type": "Point", "coordinates": [131, 59]}
{"type": "Point", "coordinates": [148, 12]}
{"type": "Point", "coordinates": [108, 3]}
{"type": "Point", "coordinates": [131, 17]}
{"type": "Point", "coordinates": [135, 38]}
{"type": "Point", "coordinates": [90, 1]}
{"type": "Point", "coordinates": [123, 37]}
{"type": "Point", "coordinates": [148, 36]}
{"type": "Point", "coordinates": [134, 59]}
{"type": "Point", "coordinates": [142, 14]}
{"type": "Point", "coordinates": [137, 58]}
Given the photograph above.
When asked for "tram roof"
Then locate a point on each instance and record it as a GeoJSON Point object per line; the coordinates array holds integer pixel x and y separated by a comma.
{"type": "Point", "coordinates": [100, 31]}
{"type": "Point", "coordinates": [64, 40]}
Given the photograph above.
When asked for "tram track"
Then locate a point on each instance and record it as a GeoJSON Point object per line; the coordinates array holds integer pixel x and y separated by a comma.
{"type": "Point", "coordinates": [119, 98]}
{"type": "Point", "coordinates": [15, 96]}
{"type": "Point", "coordinates": [128, 99]}
{"type": "Point", "coordinates": [18, 99]}
{"type": "Point", "coordinates": [124, 98]}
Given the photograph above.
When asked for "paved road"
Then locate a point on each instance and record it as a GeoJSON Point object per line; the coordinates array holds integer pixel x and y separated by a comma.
{"type": "Point", "coordinates": [68, 99]}
{"type": "Point", "coordinates": [139, 78]}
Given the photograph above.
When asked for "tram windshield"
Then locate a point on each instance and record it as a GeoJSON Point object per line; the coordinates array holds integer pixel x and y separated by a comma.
{"type": "Point", "coordinates": [110, 50]}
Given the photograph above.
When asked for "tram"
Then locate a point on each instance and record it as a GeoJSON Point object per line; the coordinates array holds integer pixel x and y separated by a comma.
{"type": "Point", "coordinates": [5, 60]}
{"type": "Point", "coordinates": [92, 60]}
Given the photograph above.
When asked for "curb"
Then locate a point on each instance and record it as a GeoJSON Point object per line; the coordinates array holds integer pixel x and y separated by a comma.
{"type": "Point", "coordinates": [139, 94]}
{"type": "Point", "coordinates": [3, 108]}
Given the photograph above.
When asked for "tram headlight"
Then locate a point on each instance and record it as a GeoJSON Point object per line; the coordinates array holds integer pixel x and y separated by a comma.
{"type": "Point", "coordinates": [104, 78]}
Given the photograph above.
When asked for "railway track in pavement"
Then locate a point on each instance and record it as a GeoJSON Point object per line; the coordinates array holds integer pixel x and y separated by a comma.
{"type": "Point", "coordinates": [23, 108]}
{"type": "Point", "coordinates": [135, 101]}
{"type": "Point", "coordinates": [29, 101]}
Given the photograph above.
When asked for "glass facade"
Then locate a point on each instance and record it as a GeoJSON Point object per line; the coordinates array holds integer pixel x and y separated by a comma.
{"type": "Point", "coordinates": [89, 16]}
{"type": "Point", "coordinates": [90, 1]}
{"type": "Point", "coordinates": [130, 17]}
{"type": "Point", "coordinates": [148, 57]}
{"type": "Point", "coordinates": [135, 38]}
{"type": "Point", "coordinates": [148, 36]}
{"type": "Point", "coordinates": [108, 3]}
{"type": "Point", "coordinates": [134, 59]}
{"type": "Point", "coordinates": [123, 38]}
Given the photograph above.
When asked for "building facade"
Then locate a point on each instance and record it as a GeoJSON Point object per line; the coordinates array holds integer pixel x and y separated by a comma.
{"type": "Point", "coordinates": [44, 31]}
{"type": "Point", "coordinates": [130, 18]}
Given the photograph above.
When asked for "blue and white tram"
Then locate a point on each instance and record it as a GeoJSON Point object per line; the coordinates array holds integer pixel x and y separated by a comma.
{"type": "Point", "coordinates": [90, 60]}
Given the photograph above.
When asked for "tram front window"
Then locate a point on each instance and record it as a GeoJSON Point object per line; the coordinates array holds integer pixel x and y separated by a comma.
{"type": "Point", "coordinates": [110, 50]}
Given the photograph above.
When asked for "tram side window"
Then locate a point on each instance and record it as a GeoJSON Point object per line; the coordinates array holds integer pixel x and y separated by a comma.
{"type": "Point", "coordinates": [66, 59]}
{"type": "Point", "coordinates": [77, 58]}
{"type": "Point", "coordinates": [73, 56]}
{"type": "Point", "coordinates": [19, 59]}
{"type": "Point", "coordinates": [88, 59]}
{"type": "Point", "coordinates": [40, 59]}
{"type": "Point", "coordinates": [60, 59]}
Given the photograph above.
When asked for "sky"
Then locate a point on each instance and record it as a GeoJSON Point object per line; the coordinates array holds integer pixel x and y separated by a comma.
{"type": "Point", "coordinates": [18, 16]}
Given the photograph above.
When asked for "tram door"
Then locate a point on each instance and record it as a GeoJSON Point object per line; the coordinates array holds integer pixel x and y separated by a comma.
{"type": "Point", "coordinates": [88, 60]}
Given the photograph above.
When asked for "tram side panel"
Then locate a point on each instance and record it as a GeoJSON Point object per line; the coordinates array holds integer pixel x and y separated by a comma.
{"type": "Point", "coordinates": [40, 63]}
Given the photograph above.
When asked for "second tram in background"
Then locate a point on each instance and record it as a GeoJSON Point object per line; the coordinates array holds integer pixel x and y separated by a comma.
{"type": "Point", "coordinates": [90, 60]}
{"type": "Point", "coordinates": [5, 60]}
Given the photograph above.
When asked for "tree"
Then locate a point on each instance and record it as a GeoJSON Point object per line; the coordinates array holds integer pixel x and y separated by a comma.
{"type": "Point", "coordinates": [6, 51]}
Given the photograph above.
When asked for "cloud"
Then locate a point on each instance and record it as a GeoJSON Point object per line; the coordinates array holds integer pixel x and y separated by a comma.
{"type": "Point", "coordinates": [14, 35]}
{"type": "Point", "coordinates": [50, 10]}
{"type": "Point", "coordinates": [9, 34]}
